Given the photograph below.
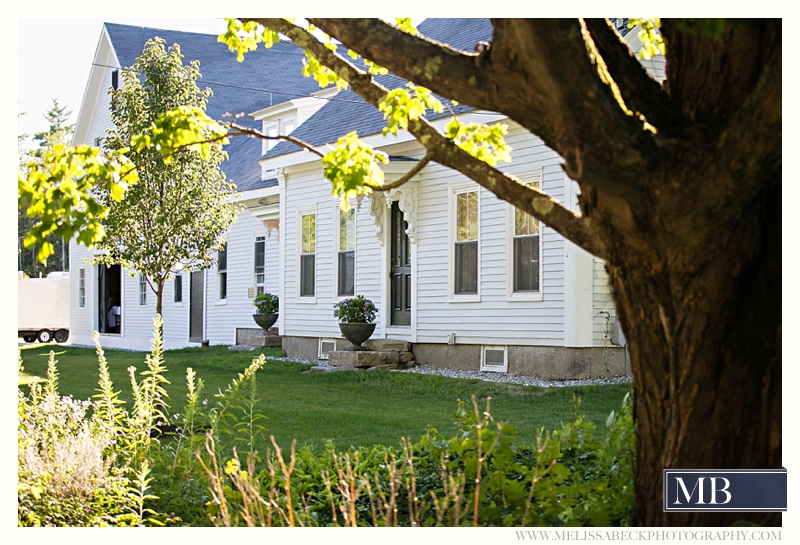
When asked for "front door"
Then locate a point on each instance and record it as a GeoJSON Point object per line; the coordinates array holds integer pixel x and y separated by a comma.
{"type": "Point", "coordinates": [400, 269]}
{"type": "Point", "coordinates": [196, 307]}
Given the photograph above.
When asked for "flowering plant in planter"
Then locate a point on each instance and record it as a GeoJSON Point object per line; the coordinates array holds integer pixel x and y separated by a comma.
{"type": "Point", "coordinates": [266, 303]}
{"type": "Point", "coordinates": [355, 310]}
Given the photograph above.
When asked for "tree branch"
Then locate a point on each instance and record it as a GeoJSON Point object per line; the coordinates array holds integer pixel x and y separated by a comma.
{"type": "Point", "coordinates": [424, 61]}
{"type": "Point", "coordinates": [255, 133]}
{"type": "Point", "coordinates": [506, 187]}
{"type": "Point", "coordinates": [640, 92]}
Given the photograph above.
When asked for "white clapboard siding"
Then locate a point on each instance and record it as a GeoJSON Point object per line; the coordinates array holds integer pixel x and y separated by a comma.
{"type": "Point", "coordinates": [236, 311]}
{"type": "Point", "coordinates": [308, 190]}
{"type": "Point", "coordinates": [603, 312]}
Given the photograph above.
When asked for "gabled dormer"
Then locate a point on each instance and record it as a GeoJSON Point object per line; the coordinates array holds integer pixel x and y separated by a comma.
{"type": "Point", "coordinates": [283, 118]}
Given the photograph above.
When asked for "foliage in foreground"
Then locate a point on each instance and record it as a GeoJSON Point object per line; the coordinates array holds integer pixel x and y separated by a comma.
{"type": "Point", "coordinates": [92, 463]}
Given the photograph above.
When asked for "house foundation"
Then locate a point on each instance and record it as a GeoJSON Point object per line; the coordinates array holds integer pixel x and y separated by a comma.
{"type": "Point", "coordinates": [545, 362]}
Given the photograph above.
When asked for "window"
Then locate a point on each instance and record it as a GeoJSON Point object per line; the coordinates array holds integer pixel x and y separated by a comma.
{"type": "Point", "coordinates": [142, 290]}
{"type": "Point", "coordinates": [326, 346]}
{"type": "Point", "coordinates": [283, 127]}
{"type": "Point", "coordinates": [308, 248]}
{"type": "Point", "coordinates": [347, 254]}
{"type": "Point", "coordinates": [494, 358]}
{"type": "Point", "coordinates": [222, 272]}
{"type": "Point", "coordinates": [465, 251]}
{"type": "Point", "coordinates": [82, 288]}
{"type": "Point", "coordinates": [115, 79]}
{"type": "Point", "coordinates": [260, 264]}
{"type": "Point", "coordinates": [526, 252]}
{"type": "Point", "coordinates": [178, 288]}
{"type": "Point", "coordinates": [525, 249]}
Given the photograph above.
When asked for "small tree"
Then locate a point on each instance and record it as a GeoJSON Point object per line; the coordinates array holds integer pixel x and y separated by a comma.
{"type": "Point", "coordinates": [58, 134]}
{"type": "Point", "coordinates": [176, 215]}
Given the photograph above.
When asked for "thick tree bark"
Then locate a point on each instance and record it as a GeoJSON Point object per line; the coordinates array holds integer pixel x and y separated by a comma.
{"type": "Point", "coordinates": [680, 194]}
{"type": "Point", "coordinates": [705, 342]}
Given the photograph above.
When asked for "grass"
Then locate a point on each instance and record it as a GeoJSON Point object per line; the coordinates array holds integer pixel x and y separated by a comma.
{"type": "Point", "coordinates": [362, 408]}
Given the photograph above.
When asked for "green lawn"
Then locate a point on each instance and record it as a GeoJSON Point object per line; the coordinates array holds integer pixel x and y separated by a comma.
{"type": "Point", "coordinates": [352, 408]}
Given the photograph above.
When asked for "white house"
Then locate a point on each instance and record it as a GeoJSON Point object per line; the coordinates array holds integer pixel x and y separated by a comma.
{"type": "Point", "coordinates": [465, 278]}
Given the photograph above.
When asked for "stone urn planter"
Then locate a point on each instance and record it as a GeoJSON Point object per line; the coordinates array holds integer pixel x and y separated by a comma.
{"type": "Point", "coordinates": [265, 321]}
{"type": "Point", "coordinates": [356, 333]}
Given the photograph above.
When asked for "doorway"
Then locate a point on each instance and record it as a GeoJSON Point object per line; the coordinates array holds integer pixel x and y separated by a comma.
{"type": "Point", "coordinates": [400, 269]}
{"type": "Point", "coordinates": [109, 294]}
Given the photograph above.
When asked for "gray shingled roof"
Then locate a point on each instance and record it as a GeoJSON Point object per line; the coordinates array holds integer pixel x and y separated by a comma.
{"type": "Point", "coordinates": [348, 112]}
{"type": "Point", "coordinates": [266, 77]}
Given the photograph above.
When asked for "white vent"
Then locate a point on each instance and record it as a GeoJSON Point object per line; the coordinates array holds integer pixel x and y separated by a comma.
{"type": "Point", "coordinates": [325, 346]}
{"type": "Point", "coordinates": [494, 358]}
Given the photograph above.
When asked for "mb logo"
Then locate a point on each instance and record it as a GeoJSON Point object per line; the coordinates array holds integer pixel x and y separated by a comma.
{"type": "Point", "coordinates": [715, 485]}
{"type": "Point", "coordinates": [725, 490]}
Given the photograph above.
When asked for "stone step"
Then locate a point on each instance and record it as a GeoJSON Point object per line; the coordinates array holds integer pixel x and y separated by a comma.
{"type": "Point", "coordinates": [347, 358]}
{"type": "Point", "coordinates": [260, 339]}
{"type": "Point", "coordinates": [385, 345]}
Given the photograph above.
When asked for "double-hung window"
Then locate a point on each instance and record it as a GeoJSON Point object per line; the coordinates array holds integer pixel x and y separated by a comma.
{"type": "Point", "coordinates": [260, 269]}
{"type": "Point", "coordinates": [465, 246]}
{"type": "Point", "coordinates": [142, 290]}
{"type": "Point", "coordinates": [308, 249]}
{"type": "Point", "coordinates": [82, 287]}
{"type": "Point", "coordinates": [525, 243]}
{"type": "Point", "coordinates": [222, 272]}
{"type": "Point", "coordinates": [177, 286]}
{"type": "Point", "coordinates": [347, 253]}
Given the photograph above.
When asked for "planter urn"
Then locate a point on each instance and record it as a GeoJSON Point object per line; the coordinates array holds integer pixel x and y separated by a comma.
{"type": "Point", "coordinates": [356, 333]}
{"type": "Point", "coordinates": [265, 321]}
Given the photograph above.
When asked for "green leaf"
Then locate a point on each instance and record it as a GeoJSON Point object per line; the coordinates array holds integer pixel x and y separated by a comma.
{"type": "Point", "coordinates": [352, 168]}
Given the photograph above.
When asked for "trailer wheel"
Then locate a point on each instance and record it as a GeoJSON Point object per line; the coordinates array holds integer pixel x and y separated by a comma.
{"type": "Point", "coordinates": [29, 338]}
{"type": "Point", "coordinates": [45, 336]}
{"type": "Point", "coordinates": [62, 335]}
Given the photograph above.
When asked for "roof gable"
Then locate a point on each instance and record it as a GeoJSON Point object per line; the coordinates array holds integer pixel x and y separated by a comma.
{"type": "Point", "coordinates": [267, 77]}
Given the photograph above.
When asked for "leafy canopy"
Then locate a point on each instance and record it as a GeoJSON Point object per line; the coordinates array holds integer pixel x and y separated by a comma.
{"type": "Point", "coordinates": [178, 213]}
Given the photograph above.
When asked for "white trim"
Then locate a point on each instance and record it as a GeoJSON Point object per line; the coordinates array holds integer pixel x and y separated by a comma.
{"type": "Point", "coordinates": [494, 368]}
{"type": "Point", "coordinates": [282, 254]}
{"type": "Point", "coordinates": [533, 177]}
{"type": "Point", "coordinates": [453, 190]}
{"type": "Point", "coordinates": [304, 211]}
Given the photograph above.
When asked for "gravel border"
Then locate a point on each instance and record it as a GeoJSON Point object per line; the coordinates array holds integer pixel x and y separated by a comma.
{"type": "Point", "coordinates": [488, 376]}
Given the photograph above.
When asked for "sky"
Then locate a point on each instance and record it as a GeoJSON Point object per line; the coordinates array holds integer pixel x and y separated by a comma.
{"type": "Point", "coordinates": [57, 66]}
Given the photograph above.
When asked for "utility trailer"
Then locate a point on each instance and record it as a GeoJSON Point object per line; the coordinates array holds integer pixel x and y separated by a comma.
{"type": "Point", "coordinates": [43, 308]}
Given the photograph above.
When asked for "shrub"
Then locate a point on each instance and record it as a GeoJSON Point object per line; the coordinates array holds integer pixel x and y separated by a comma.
{"type": "Point", "coordinates": [266, 303]}
{"type": "Point", "coordinates": [478, 477]}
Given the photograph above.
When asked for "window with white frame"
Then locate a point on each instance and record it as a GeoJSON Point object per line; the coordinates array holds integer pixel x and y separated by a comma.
{"type": "Point", "coordinates": [525, 248]}
{"type": "Point", "coordinates": [494, 358]}
{"type": "Point", "coordinates": [347, 253]}
{"type": "Point", "coordinates": [178, 288]}
{"type": "Point", "coordinates": [260, 270]}
{"type": "Point", "coordinates": [222, 273]}
{"type": "Point", "coordinates": [82, 287]}
{"type": "Point", "coordinates": [142, 290]}
{"type": "Point", "coordinates": [465, 243]}
{"type": "Point", "coordinates": [308, 249]}
{"type": "Point", "coordinates": [282, 127]}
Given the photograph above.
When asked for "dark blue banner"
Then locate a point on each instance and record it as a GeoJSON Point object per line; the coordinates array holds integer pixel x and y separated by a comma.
{"type": "Point", "coordinates": [745, 490]}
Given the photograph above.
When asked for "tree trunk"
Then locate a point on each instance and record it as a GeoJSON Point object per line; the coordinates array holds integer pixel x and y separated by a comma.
{"type": "Point", "coordinates": [160, 302]}
{"type": "Point", "coordinates": [705, 341]}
